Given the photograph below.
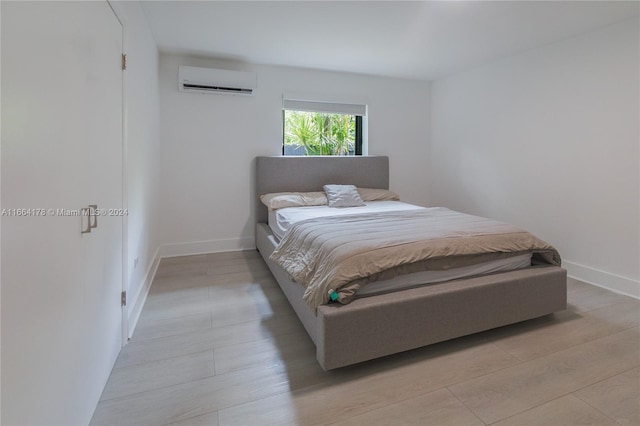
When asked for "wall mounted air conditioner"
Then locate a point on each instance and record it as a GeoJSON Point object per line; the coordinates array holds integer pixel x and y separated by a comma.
{"type": "Point", "coordinates": [209, 80]}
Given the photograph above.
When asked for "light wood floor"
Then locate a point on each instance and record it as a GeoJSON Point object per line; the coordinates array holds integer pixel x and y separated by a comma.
{"type": "Point", "coordinates": [218, 344]}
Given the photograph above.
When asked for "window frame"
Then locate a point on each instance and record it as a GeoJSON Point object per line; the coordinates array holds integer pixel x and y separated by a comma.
{"type": "Point", "coordinates": [358, 135]}
{"type": "Point", "coordinates": [358, 110]}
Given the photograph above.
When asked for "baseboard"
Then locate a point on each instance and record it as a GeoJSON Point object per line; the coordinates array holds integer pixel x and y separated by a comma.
{"type": "Point", "coordinates": [137, 303]}
{"type": "Point", "coordinates": [607, 280]}
{"type": "Point", "coordinates": [203, 247]}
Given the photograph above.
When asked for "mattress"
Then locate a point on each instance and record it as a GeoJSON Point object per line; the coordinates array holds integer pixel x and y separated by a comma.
{"type": "Point", "coordinates": [282, 219]}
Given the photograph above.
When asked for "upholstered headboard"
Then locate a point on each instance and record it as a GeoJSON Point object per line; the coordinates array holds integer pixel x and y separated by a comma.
{"type": "Point", "coordinates": [303, 174]}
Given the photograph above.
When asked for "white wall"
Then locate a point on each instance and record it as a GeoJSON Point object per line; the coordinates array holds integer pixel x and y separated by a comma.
{"type": "Point", "coordinates": [209, 143]}
{"type": "Point", "coordinates": [142, 156]}
{"type": "Point", "coordinates": [548, 140]}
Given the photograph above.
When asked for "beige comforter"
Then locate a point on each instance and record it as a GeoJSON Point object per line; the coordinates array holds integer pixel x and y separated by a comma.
{"type": "Point", "coordinates": [343, 253]}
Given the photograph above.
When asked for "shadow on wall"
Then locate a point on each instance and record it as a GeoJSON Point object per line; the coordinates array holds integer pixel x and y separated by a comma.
{"type": "Point", "coordinates": [249, 228]}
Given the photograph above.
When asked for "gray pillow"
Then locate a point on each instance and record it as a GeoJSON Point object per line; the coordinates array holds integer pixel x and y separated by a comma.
{"type": "Point", "coordinates": [343, 196]}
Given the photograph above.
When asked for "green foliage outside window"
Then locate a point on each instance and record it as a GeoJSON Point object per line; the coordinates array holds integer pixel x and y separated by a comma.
{"type": "Point", "coordinates": [320, 133]}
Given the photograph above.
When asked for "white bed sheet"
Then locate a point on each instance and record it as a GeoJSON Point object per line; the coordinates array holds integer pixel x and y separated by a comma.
{"type": "Point", "coordinates": [281, 220]}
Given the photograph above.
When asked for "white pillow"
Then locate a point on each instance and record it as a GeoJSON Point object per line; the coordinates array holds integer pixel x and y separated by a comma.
{"type": "Point", "coordinates": [279, 200]}
{"type": "Point", "coordinates": [343, 196]}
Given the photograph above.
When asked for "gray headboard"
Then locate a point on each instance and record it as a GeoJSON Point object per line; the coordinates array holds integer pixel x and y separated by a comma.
{"type": "Point", "coordinates": [303, 174]}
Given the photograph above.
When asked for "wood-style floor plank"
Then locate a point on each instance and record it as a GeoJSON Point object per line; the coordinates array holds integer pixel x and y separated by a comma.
{"type": "Point", "coordinates": [210, 299]}
{"type": "Point", "coordinates": [618, 397]}
{"type": "Point", "coordinates": [153, 329]}
{"type": "Point", "coordinates": [209, 419]}
{"type": "Point", "coordinates": [279, 349]}
{"type": "Point", "coordinates": [374, 385]}
{"type": "Point", "coordinates": [435, 408]}
{"type": "Point", "coordinates": [139, 352]}
{"type": "Point", "coordinates": [500, 395]}
{"type": "Point", "coordinates": [591, 297]}
{"type": "Point", "coordinates": [566, 410]}
{"type": "Point", "coordinates": [180, 402]}
{"type": "Point", "coordinates": [218, 343]}
{"type": "Point", "coordinates": [571, 329]}
{"type": "Point", "coordinates": [159, 374]}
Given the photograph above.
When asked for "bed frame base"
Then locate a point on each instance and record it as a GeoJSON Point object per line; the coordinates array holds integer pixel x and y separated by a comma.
{"type": "Point", "coordinates": [375, 326]}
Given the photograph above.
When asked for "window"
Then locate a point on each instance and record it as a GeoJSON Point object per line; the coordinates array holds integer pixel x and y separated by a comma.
{"type": "Point", "coordinates": [322, 128]}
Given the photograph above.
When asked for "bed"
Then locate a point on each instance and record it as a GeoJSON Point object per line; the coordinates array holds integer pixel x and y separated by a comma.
{"type": "Point", "coordinates": [392, 322]}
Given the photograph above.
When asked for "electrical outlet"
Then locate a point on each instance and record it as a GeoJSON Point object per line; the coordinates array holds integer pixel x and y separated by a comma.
{"type": "Point", "coordinates": [135, 262]}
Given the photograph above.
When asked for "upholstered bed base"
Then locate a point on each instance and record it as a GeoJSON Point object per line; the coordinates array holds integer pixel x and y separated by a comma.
{"type": "Point", "coordinates": [376, 326]}
{"type": "Point", "coordinates": [385, 324]}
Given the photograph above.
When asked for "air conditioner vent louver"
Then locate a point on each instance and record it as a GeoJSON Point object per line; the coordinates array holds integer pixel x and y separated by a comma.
{"type": "Point", "coordinates": [219, 89]}
{"type": "Point", "coordinates": [209, 80]}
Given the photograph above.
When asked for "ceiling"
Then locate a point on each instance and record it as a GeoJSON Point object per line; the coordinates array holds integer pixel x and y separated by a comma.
{"type": "Point", "coordinates": [418, 40]}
